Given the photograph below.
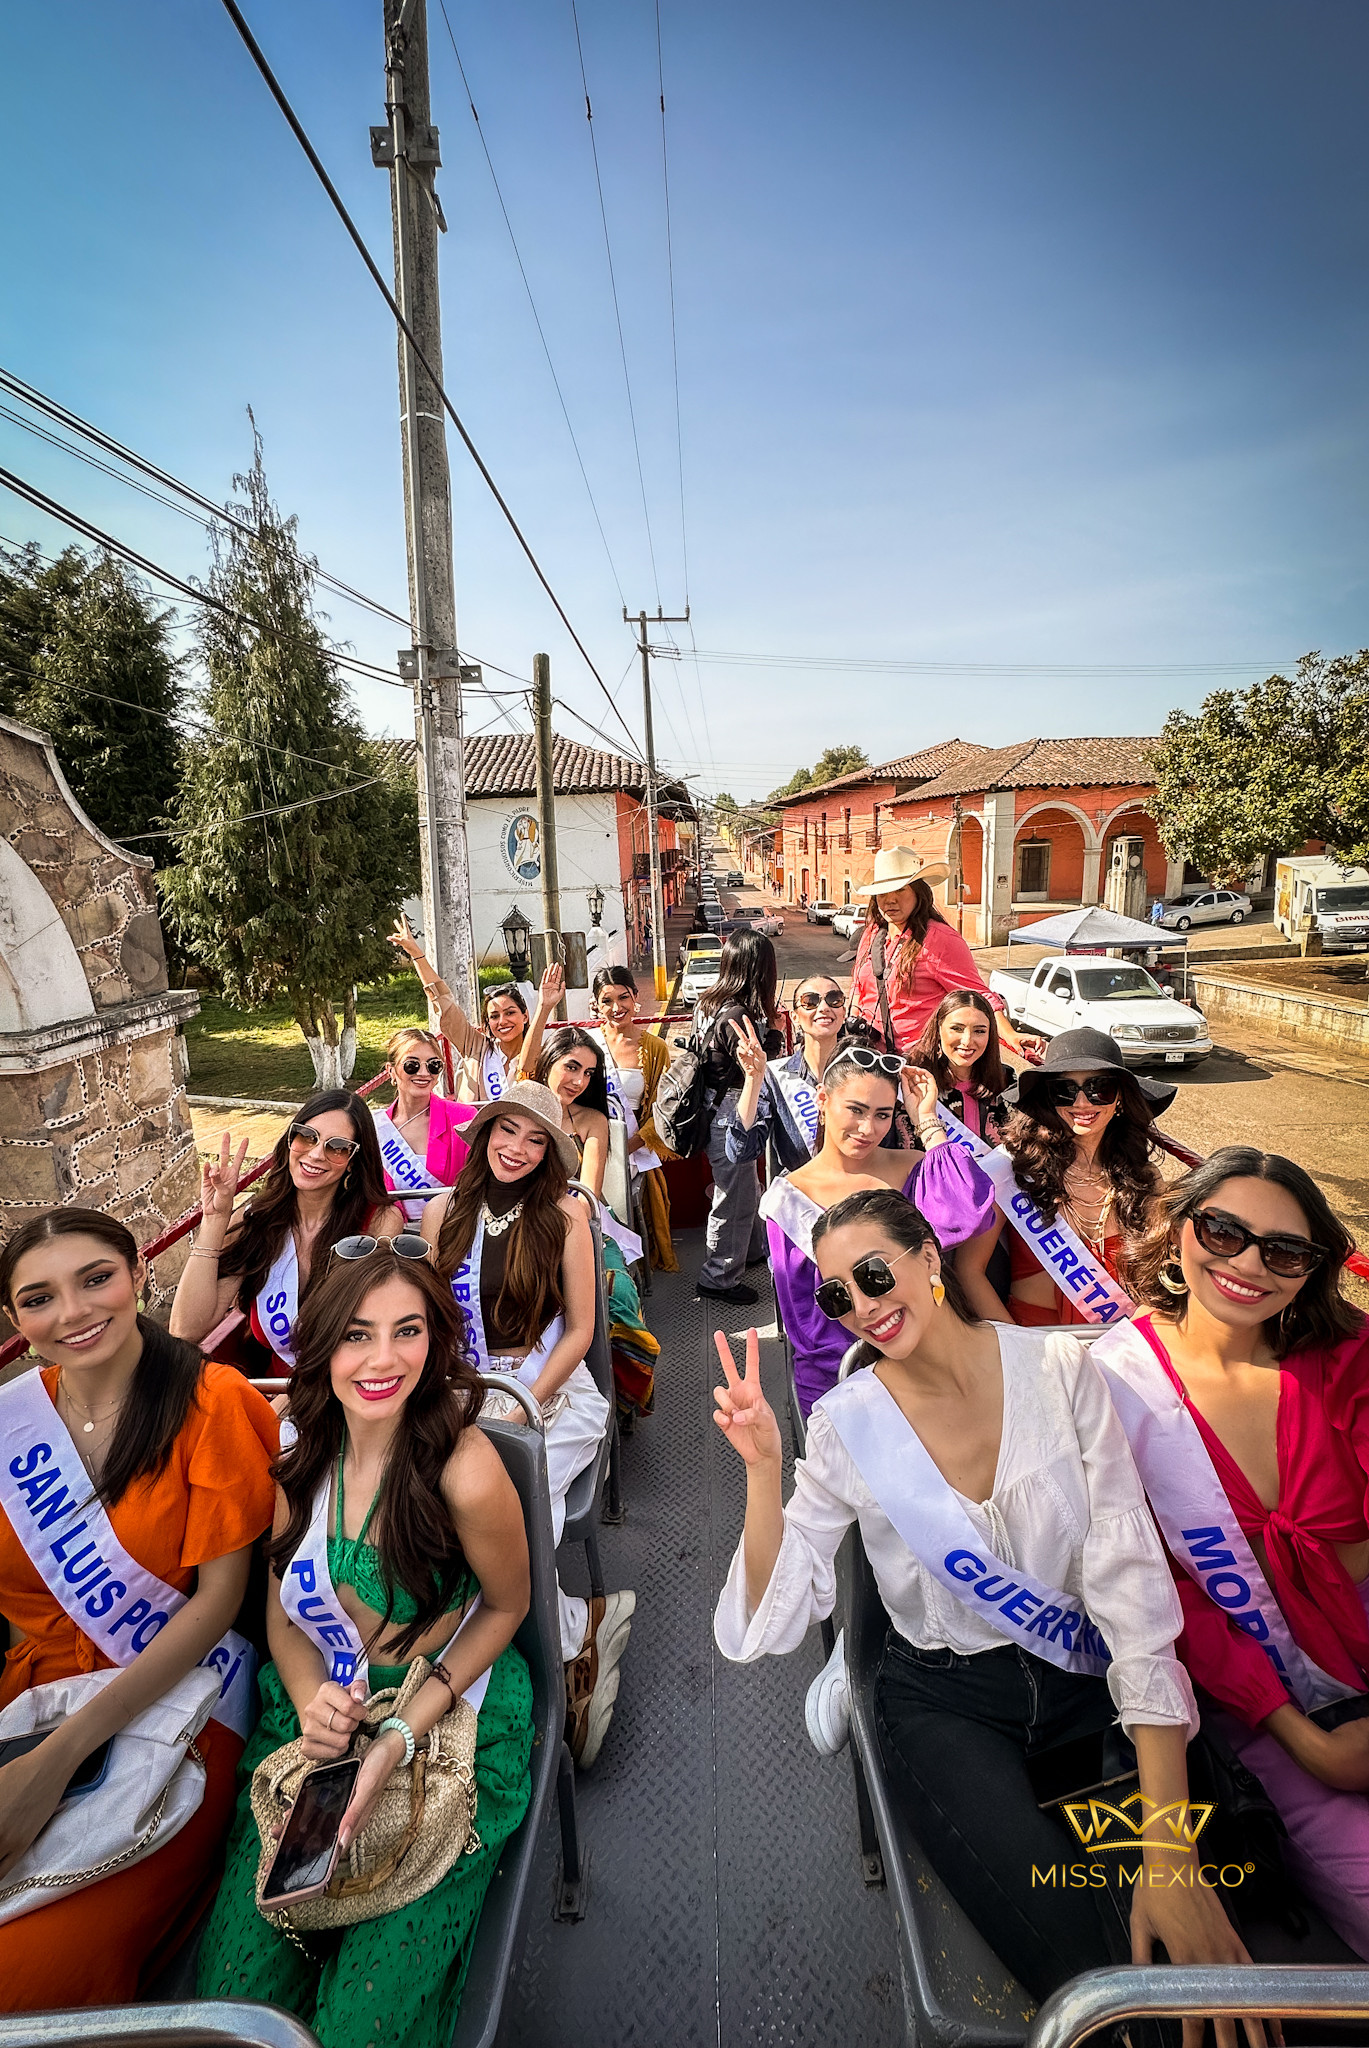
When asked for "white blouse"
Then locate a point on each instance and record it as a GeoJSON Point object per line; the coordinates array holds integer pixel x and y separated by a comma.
{"type": "Point", "coordinates": [631, 1085]}
{"type": "Point", "coordinates": [1067, 1505]}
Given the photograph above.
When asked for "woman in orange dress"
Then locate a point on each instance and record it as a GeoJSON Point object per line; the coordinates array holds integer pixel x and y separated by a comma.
{"type": "Point", "coordinates": [179, 1455]}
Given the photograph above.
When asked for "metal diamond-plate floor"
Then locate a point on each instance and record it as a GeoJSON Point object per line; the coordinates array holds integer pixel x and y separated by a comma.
{"type": "Point", "coordinates": [725, 1896]}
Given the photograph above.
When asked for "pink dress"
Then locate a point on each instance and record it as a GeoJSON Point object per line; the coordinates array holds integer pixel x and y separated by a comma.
{"type": "Point", "coordinates": [447, 1150]}
{"type": "Point", "coordinates": [943, 964]}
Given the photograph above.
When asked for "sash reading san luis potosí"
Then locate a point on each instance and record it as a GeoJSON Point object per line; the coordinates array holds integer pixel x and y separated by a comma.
{"type": "Point", "coordinates": [1198, 1521]}
{"type": "Point", "coordinates": [114, 1601]}
{"type": "Point", "coordinates": [894, 1463]}
{"type": "Point", "coordinates": [278, 1301]}
{"type": "Point", "coordinates": [1061, 1251]}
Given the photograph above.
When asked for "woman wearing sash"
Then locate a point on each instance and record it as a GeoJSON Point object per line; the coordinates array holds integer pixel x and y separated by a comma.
{"type": "Point", "coordinates": [636, 1060]}
{"type": "Point", "coordinates": [1081, 1147]}
{"type": "Point", "coordinates": [326, 1182]}
{"type": "Point", "coordinates": [787, 1112]}
{"type": "Point", "coordinates": [741, 1001]}
{"type": "Point", "coordinates": [420, 1133]}
{"type": "Point", "coordinates": [518, 1251]}
{"type": "Point", "coordinates": [856, 1101]}
{"type": "Point", "coordinates": [398, 1514]}
{"type": "Point", "coordinates": [572, 1066]}
{"type": "Point", "coordinates": [1245, 1391]}
{"type": "Point", "coordinates": [960, 1049]}
{"type": "Point", "coordinates": [1026, 1588]}
{"type": "Point", "coordinates": [488, 1053]}
{"type": "Point", "coordinates": [169, 1460]}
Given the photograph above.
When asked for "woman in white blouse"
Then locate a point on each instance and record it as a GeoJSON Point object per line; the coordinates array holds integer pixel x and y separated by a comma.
{"type": "Point", "coordinates": [998, 1451]}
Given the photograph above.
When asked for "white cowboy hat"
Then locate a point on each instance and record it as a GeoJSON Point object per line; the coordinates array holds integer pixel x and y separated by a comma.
{"type": "Point", "coordinates": [897, 866]}
{"type": "Point", "coordinates": [529, 1098]}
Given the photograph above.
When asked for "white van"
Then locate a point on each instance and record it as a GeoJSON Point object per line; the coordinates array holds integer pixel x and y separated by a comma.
{"type": "Point", "coordinates": [1312, 893]}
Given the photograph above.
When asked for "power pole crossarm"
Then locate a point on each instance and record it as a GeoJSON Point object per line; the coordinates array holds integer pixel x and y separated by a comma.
{"type": "Point", "coordinates": [652, 807]}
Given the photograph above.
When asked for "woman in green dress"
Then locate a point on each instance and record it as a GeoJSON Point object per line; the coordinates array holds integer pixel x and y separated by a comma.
{"type": "Point", "coordinates": [387, 1490]}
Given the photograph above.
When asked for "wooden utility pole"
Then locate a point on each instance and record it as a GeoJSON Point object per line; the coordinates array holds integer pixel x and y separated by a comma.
{"type": "Point", "coordinates": [546, 807]}
{"type": "Point", "coordinates": [652, 811]}
{"type": "Point", "coordinates": [408, 148]}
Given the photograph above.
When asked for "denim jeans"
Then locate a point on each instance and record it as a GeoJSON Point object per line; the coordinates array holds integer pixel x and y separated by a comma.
{"type": "Point", "coordinates": [736, 1234]}
{"type": "Point", "coordinates": [956, 1732]}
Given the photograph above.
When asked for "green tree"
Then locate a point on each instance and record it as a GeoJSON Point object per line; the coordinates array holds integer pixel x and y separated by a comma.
{"type": "Point", "coordinates": [725, 801]}
{"type": "Point", "coordinates": [87, 656]}
{"type": "Point", "coordinates": [297, 903]}
{"type": "Point", "coordinates": [1262, 770]}
{"type": "Point", "coordinates": [834, 761]}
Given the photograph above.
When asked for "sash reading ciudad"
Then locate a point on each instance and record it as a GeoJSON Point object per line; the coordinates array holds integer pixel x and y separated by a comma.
{"type": "Point", "coordinates": [800, 1097]}
{"type": "Point", "coordinates": [114, 1601]}
{"type": "Point", "coordinates": [1061, 1251]}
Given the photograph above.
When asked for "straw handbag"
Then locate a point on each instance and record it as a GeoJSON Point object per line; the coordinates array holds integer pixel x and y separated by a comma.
{"type": "Point", "coordinates": [421, 1825]}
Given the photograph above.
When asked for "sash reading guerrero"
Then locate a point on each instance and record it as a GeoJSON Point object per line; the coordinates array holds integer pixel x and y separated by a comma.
{"type": "Point", "coordinates": [114, 1601]}
{"type": "Point", "coordinates": [893, 1461]}
{"type": "Point", "coordinates": [1196, 1518]}
{"type": "Point", "coordinates": [278, 1302]}
{"type": "Point", "coordinates": [466, 1288]}
{"type": "Point", "coordinates": [1060, 1249]}
{"type": "Point", "coordinates": [408, 1172]}
{"type": "Point", "coordinates": [308, 1597]}
{"type": "Point", "coordinates": [800, 1096]}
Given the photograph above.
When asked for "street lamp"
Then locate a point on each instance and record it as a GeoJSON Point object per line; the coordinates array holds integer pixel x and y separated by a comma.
{"type": "Point", "coordinates": [595, 899]}
{"type": "Point", "coordinates": [516, 929]}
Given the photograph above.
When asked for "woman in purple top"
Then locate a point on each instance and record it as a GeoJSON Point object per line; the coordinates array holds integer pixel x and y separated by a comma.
{"type": "Point", "coordinates": [856, 1099]}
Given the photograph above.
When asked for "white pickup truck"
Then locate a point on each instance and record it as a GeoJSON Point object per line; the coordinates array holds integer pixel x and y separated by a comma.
{"type": "Point", "coordinates": [1063, 993]}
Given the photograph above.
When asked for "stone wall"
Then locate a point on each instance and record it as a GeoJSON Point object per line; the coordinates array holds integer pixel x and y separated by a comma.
{"type": "Point", "coordinates": [1272, 1012]}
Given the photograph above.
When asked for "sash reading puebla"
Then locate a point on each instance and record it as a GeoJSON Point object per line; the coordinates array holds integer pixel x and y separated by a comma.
{"type": "Point", "coordinates": [466, 1288]}
{"type": "Point", "coordinates": [409, 1173]}
{"type": "Point", "coordinates": [893, 1461]}
{"type": "Point", "coordinates": [1060, 1250]}
{"type": "Point", "coordinates": [278, 1302]}
{"type": "Point", "coordinates": [800, 1096]}
{"type": "Point", "coordinates": [68, 1538]}
{"type": "Point", "coordinates": [1196, 1518]}
{"type": "Point", "coordinates": [308, 1597]}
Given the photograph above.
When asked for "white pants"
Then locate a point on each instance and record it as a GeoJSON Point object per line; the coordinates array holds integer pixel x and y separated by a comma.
{"type": "Point", "coordinates": [572, 1439]}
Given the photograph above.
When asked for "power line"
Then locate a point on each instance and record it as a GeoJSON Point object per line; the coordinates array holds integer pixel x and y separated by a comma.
{"type": "Point", "coordinates": [859, 665]}
{"type": "Point", "coordinates": [303, 803]}
{"type": "Point", "coordinates": [617, 313]}
{"type": "Point", "coordinates": [670, 272]}
{"type": "Point", "coordinates": [254, 50]}
{"type": "Point", "coordinates": [537, 318]}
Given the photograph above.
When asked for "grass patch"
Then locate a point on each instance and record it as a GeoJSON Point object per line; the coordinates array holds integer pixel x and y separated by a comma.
{"type": "Point", "coordinates": [260, 1053]}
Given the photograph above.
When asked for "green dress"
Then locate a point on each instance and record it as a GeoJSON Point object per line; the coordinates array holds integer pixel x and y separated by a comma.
{"type": "Point", "coordinates": [394, 1982]}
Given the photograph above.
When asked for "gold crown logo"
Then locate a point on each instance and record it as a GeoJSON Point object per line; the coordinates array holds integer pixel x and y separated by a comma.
{"type": "Point", "coordinates": [1101, 1825]}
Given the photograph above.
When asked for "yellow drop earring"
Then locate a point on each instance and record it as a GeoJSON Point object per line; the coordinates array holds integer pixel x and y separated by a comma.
{"type": "Point", "coordinates": [938, 1292]}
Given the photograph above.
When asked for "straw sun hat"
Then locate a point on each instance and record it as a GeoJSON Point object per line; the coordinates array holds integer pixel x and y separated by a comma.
{"type": "Point", "coordinates": [897, 866]}
{"type": "Point", "coordinates": [531, 1099]}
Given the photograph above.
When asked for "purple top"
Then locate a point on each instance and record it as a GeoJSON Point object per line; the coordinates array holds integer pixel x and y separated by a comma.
{"type": "Point", "coordinates": [957, 1198]}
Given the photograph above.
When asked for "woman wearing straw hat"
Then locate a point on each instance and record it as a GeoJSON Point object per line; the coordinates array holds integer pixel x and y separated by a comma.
{"type": "Point", "coordinates": [908, 947]}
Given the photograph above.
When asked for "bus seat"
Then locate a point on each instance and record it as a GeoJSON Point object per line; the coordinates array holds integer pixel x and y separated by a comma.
{"type": "Point", "coordinates": [622, 1197]}
{"type": "Point", "coordinates": [587, 1489]}
{"type": "Point", "coordinates": [190, 2023]}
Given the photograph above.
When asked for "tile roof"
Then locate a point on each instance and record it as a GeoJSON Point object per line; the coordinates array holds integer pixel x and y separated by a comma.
{"type": "Point", "coordinates": [1047, 764]}
{"type": "Point", "coordinates": [929, 761]}
{"type": "Point", "coordinates": [505, 764]}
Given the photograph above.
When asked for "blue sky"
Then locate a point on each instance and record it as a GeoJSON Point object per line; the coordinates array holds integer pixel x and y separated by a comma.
{"type": "Point", "coordinates": [1010, 335]}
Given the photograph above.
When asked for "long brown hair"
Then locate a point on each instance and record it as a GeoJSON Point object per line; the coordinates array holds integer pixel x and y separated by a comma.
{"type": "Point", "coordinates": [988, 1076]}
{"type": "Point", "coordinates": [531, 1292]}
{"type": "Point", "coordinates": [420, 1551]}
{"type": "Point", "coordinates": [274, 1206]}
{"type": "Point", "coordinates": [924, 912]}
{"type": "Point", "coordinates": [1318, 1313]}
{"type": "Point", "coordinates": [1041, 1148]}
{"type": "Point", "coordinates": [166, 1378]}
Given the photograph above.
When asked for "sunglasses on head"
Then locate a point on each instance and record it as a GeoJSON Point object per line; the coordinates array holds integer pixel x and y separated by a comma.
{"type": "Point", "coordinates": [336, 1148]}
{"type": "Point", "coordinates": [420, 1066]}
{"type": "Point", "coordinates": [873, 1276]}
{"type": "Point", "coordinates": [1226, 1237]}
{"type": "Point", "coordinates": [869, 1061]}
{"type": "Point", "coordinates": [834, 1000]}
{"type": "Point", "coordinates": [406, 1246]}
{"type": "Point", "coordinates": [1095, 1088]}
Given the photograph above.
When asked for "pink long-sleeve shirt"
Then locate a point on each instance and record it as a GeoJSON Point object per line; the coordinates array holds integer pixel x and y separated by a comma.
{"type": "Point", "coordinates": [943, 964]}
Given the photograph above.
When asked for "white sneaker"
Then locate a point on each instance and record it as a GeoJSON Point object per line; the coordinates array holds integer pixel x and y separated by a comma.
{"type": "Point", "coordinates": [827, 1709]}
{"type": "Point", "coordinates": [592, 1677]}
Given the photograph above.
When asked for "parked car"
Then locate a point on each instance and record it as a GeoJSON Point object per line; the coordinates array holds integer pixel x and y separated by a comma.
{"type": "Point", "coordinates": [822, 912]}
{"type": "Point", "coordinates": [1060, 994]}
{"type": "Point", "coordinates": [1216, 906]}
{"type": "Point", "coordinates": [734, 879]}
{"type": "Point", "coordinates": [849, 921]}
{"type": "Point", "coordinates": [770, 924]}
{"type": "Point", "coordinates": [699, 976]}
{"type": "Point", "coordinates": [695, 944]}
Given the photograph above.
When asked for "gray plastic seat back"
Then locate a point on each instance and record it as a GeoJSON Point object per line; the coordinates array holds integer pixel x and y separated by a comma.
{"type": "Point", "coordinates": [618, 1175]}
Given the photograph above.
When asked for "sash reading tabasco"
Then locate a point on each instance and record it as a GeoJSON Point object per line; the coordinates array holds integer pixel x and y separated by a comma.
{"type": "Point", "coordinates": [466, 1288]}
{"type": "Point", "coordinates": [114, 1601]}
{"type": "Point", "coordinates": [1196, 1519]}
{"type": "Point", "coordinates": [408, 1172]}
{"type": "Point", "coordinates": [308, 1597]}
{"type": "Point", "coordinates": [894, 1463]}
{"type": "Point", "coordinates": [1060, 1250]}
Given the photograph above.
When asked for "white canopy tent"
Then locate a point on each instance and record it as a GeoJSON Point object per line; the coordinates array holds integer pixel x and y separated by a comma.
{"type": "Point", "coordinates": [1092, 928]}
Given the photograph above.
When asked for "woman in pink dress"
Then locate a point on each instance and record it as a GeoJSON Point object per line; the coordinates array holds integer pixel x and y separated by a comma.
{"type": "Point", "coordinates": [420, 1132]}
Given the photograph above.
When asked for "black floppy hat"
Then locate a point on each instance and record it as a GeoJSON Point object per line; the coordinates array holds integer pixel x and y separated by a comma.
{"type": "Point", "coordinates": [1087, 1051]}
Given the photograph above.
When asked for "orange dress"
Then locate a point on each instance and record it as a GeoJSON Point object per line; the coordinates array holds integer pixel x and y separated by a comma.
{"type": "Point", "coordinates": [1065, 1309]}
{"type": "Point", "coordinates": [99, 1946]}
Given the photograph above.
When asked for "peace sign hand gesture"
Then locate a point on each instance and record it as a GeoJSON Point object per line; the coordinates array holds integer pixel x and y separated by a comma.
{"type": "Point", "coordinates": [403, 937]}
{"type": "Point", "coordinates": [750, 1053]}
{"type": "Point", "coordinates": [219, 1183]}
{"type": "Point", "coordinates": [743, 1413]}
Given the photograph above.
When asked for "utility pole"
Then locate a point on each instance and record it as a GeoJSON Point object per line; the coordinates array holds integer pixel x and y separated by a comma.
{"type": "Point", "coordinates": [408, 148]}
{"type": "Point", "coordinates": [546, 804]}
{"type": "Point", "coordinates": [652, 815]}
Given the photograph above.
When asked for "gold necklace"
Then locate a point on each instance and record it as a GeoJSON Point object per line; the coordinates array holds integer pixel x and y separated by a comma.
{"type": "Point", "coordinates": [87, 1427]}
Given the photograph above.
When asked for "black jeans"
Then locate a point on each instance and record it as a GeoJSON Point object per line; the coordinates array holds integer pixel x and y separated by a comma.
{"type": "Point", "coordinates": [956, 1733]}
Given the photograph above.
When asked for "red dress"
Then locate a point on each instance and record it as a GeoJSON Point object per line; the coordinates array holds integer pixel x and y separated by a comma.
{"type": "Point", "coordinates": [1023, 1262]}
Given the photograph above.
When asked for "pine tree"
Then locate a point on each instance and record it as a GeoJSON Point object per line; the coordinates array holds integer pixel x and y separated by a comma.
{"type": "Point", "coordinates": [297, 903]}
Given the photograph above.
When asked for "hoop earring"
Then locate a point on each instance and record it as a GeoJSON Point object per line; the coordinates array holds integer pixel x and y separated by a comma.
{"type": "Point", "coordinates": [938, 1292]}
{"type": "Point", "coordinates": [1171, 1278]}
{"type": "Point", "coordinates": [347, 1180]}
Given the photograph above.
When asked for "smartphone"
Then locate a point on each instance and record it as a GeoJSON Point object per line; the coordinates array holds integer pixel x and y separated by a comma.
{"type": "Point", "coordinates": [90, 1772]}
{"type": "Point", "coordinates": [1082, 1768]}
{"type": "Point", "coordinates": [307, 1853]}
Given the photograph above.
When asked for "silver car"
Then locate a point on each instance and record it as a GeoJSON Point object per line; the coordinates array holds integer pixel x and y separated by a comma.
{"type": "Point", "coordinates": [1215, 906]}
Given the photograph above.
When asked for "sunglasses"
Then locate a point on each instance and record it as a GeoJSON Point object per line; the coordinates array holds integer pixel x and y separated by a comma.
{"type": "Point", "coordinates": [862, 1056]}
{"type": "Point", "coordinates": [834, 1000]}
{"type": "Point", "coordinates": [421, 1066]}
{"type": "Point", "coordinates": [1097, 1089]}
{"type": "Point", "coordinates": [873, 1276]}
{"type": "Point", "coordinates": [406, 1246]}
{"type": "Point", "coordinates": [306, 1137]}
{"type": "Point", "coordinates": [1226, 1238]}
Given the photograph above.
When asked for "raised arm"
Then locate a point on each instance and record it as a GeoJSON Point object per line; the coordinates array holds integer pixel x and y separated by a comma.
{"type": "Point", "coordinates": [202, 1298]}
{"type": "Point", "coordinates": [466, 1038]}
{"type": "Point", "coordinates": [748, 1422]}
{"type": "Point", "coordinates": [550, 990]}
